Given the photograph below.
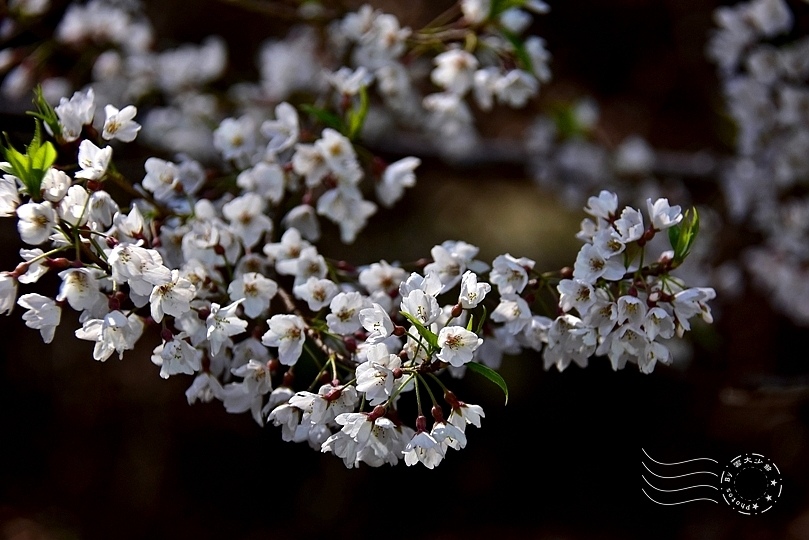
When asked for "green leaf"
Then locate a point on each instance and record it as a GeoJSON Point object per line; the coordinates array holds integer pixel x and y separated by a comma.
{"type": "Point", "coordinates": [567, 124]}
{"type": "Point", "coordinates": [356, 115]}
{"type": "Point", "coordinates": [42, 155]}
{"type": "Point", "coordinates": [30, 167]}
{"type": "Point", "coordinates": [674, 236]}
{"type": "Point", "coordinates": [469, 324]}
{"type": "Point", "coordinates": [490, 374]}
{"type": "Point", "coordinates": [17, 161]}
{"type": "Point", "coordinates": [520, 51]}
{"type": "Point", "coordinates": [325, 117]}
{"type": "Point", "coordinates": [481, 321]}
{"type": "Point", "coordinates": [425, 332]}
{"type": "Point", "coordinates": [683, 235]}
{"type": "Point", "coordinates": [45, 112]}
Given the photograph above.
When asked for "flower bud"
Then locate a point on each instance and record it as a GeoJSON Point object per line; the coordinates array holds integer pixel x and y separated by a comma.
{"type": "Point", "coordinates": [257, 332]}
{"type": "Point", "coordinates": [58, 264]}
{"type": "Point", "coordinates": [167, 335]}
{"type": "Point", "coordinates": [438, 414]}
{"type": "Point", "coordinates": [20, 269]}
{"type": "Point", "coordinates": [421, 423]}
{"type": "Point", "coordinates": [457, 309]}
{"type": "Point", "coordinates": [116, 301]}
{"type": "Point", "coordinates": [451, 399]}
{"type": "Point", "coordinates": [378, 412]}
{"type": "Point", "coordinates": [350, 344]}
{"type": "Point", "coordinates": [378, 166]}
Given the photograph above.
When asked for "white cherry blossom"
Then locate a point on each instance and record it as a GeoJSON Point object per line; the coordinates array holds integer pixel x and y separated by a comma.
{"type": "Point", "coordinates": [255, 290]}
{"type": "Point", "coordinates": [288, 333]}
{"type": "Point", "coordinates": [457, 345]}
{"type": "Point", "coordinates": [172, 298]}
{"type": "Point", "coordinates": [93, 160]}
{"type": "Point", "coordinates": [177, 356]}
{"type": "Point", "coordinates": [345, 312]}
{"type": "Point", "coordinates": [662, 215]}
{"type": "Point", "coordinates": [114, 333]}
{"type": "Point", "coordinates": [120, 124]}
{"type": "Point", "coordinates": [75, 113]}
{"type": "Point", "coordinates": [396, 177]}
{"type": "Point", "coordinates": [247, 218]}
{"type": "Point", "coordinates": [510, 274]}
{"type": "Point", "coordinates": [80, 287]}
{"type": "Point", "coordinates": [54, 185]}
{"type": "Point", "coordinates": [283, 132]}
{"type": "Point", "coordinates": [43, 314]}
{"type": "Point", "coordinates": [591, 265]}
{"type": "Point", "coordinates": [472, 292]}
{"type": "Point", "coordinates": [425, 449]}
{"type": "Point", "coordinates": [375, 376]}
{"type": "Point", "coordinates": [222, 323]}
{"type": "Point", "coordinates": [377, 322]}
{"type": "Point", "coordinates": [317, 293]}
{"type": "Point", "coordinates": [36, 222]}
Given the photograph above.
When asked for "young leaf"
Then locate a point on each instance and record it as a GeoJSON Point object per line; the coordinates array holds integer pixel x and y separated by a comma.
{"type": "Point", "coordinates": [45, 112]}
{"type": "Point", "coordinates": [42, 155]}
{"type": "Point", "coordinates": [356, 116]}
{"type": "Point", "coordinates": [683, 235]}
{"type": "Point", "coordinates": [30, 167]}
{"type": "Point", "coordinates": [520, 51]}
{"type": "Point", "coordinates": [425, 332]}
{"type": "Point", "coordinates": [481, 321]}
{"type": "Point", "coordinates": [490, 374]}
{"type": "Point", "coordinates": [569, 127]}
{"type": "Point", "coordinates": [325, 117]}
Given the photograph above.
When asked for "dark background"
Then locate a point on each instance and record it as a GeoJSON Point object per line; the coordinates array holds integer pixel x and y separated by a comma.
{"type": "Point", "coordinates": [110, 450]}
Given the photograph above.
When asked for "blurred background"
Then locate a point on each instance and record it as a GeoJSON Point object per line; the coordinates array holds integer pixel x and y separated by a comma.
{"type": "Point", "coordinates": [110, 450]}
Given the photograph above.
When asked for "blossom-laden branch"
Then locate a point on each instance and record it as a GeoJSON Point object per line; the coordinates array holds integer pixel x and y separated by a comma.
{"type": "Point", "coordinates": [225, 258]}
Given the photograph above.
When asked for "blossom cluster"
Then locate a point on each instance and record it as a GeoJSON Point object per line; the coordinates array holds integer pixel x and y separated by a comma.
{"type": "Point", "coordinates": [223, 256]}
{"type": "Point", "coordinates": [765, 80]}
{"type": "Point", "coordinates": [625, 311]}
